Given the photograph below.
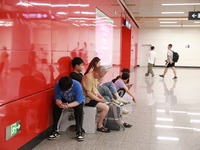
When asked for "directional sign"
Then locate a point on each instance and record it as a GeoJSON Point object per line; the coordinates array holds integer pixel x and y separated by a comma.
{"type": "Point", "coordinates": [195, 15]}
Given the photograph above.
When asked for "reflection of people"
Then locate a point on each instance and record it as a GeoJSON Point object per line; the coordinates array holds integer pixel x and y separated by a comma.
{"type": "Point", "coordinates": [43, 57]}
{"type": "Point", "coordinates": [150, 92]}
{"type": "Point", "coordinates": [4, 61]}
{"type": "Point", "coordinates": [169, 63]}
{"type": "Point", "coordinates": [75, 52]}
{"type": "Point", "coordinates": [83, 53]}
{"type": "Point", "coordinates": [32, 81]}
{"type": "Point", "coordinates": [151, 61]}
{"type": "Point", "coordinates": [170, 97]}
{"type": "Point", "coordinates": [32, 57]}
{"type": "Point", "coordinates": [64, 68]}
{"type": "Point", "coordinates": [68, 94]}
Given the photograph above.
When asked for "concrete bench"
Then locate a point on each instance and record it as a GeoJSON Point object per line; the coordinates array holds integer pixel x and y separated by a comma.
{"type": "Point", "coordinates": [89, 121]}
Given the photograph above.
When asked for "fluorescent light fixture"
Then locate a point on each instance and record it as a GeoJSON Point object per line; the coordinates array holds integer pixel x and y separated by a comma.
{"type": "Point", "coordinates": [194, 121]}
{"type": "Point", "coordinates": [168, 138]}
{"type": "Point", "coordinates": [182, 112]}
{"type": "Point", "coordinates": [84, 12]}
{"type": "Point", "coordinates": [160, 110]}
{"type": "Point", "coordinates": [164, 119]}
{"type": "Point", "coordinates": [170, 25]}
{"type": "Point", "coordinates": [61, 13]}
{"type": "Point", "coordinates": [172, 12]}
{"type": "Point", "coordinates": [173, 127]}
{"type": "Point", "coordinates": [194, 114]}
{"type": "Point", "coordinates": [47, 4]}
{"type": "Point", "coordinates": [191, 25]}
{"type": "Point", "coordinates": [173, 19]}
{"type": "Point", "coordinates": [180, 4]}
{"type": "Point", "coordinates": [168, 22]}
{"type": "Point", "coordinates": [81, 18]}
{"type": "Point", "coordinates": [163, 126]}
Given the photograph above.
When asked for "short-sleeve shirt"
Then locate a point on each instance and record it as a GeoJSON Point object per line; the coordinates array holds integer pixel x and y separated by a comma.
{"type": "Point", "coordinates": [75, 94]}
{"type": "Point", "coordinates": [151, 57]}
{"type": "Point", "coordinates": [119, 84]}
{"type": "Point", "coordinates": [89, 83]}
{"type": "Point", "coordinates": [169, 53]}
{"type": "Point", "coordinates": [76, 76]}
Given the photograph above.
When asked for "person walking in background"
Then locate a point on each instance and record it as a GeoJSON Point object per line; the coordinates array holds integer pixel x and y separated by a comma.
{"type": "Point", "coordinates": [169, 63]}
{"type": "Point", "coordinates": [151, 61]}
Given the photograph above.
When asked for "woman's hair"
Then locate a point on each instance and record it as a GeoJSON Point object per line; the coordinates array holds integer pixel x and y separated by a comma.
{"type": "Point", "coordinates": [93, 64]}
{"type": "Point", "coordinates": [124, 76]}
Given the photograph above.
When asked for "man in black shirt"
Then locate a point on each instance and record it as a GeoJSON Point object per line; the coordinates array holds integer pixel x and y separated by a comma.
{"type": "Point", "coordinates": [77, 64]}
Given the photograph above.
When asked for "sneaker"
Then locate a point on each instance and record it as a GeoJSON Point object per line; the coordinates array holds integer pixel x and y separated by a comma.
{"type": "Point", "coordinates": [119, 103]}
{"type": "Point", "coordinates": [161, 76]}
{"type": "Point", "coordinates": [125, 111]}
{"type": "Point", "coordinates": [55, 135]}
{"type": "Point", "coordinates": [121, 100]}
{"type": "Point", "coordinates": [174, 78]}
{"type": "Point", "coordinates": [79, 136]}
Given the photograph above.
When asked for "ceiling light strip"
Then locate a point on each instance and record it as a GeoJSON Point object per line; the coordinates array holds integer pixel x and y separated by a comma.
{"type": "Point", "coordinates": [181, 4]}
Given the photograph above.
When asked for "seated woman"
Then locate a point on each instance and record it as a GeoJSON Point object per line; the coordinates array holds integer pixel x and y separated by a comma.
{"type": "Point", "coordinates": [120, 84]}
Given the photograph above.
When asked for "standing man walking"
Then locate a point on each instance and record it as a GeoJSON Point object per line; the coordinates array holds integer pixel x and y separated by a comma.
{"type": "Point", "coordinates": [151, 61]}
{"type": "Point", "coordinates": [169, 63]}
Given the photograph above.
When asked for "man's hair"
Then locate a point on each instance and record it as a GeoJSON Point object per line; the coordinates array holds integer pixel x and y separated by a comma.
{"type": "Point", "coordinates": [125, 76]}
{"type": "Point", "coordinates": [170, 45]}
{"type": "Point", "coordinates": [77, 61]}
{"type": "Point", "coordinates": [101, 69]}
{"type": "Point", "coordinates": [152, 47]}
{"type": "Point", "coordinates": [65, 83]}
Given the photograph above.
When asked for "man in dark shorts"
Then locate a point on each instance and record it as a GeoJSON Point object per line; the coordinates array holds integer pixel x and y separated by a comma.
{"type": "Point", "coordinates": [169, 62]}
{"type": "Point", "coordinates": [93, 97]}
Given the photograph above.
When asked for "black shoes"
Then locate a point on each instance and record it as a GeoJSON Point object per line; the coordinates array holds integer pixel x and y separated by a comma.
{"type": "Point", "coordinates": [79, 136]}
{"type": "Point", "coordinates": [55, 135]}
{"type": "Point", "coordinates": [174, 77]}
{"type": "Point", "coordinates": [161, 76]}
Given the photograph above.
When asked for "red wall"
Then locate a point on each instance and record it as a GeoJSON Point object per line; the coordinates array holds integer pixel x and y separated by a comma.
{"type": "Point", "coordinates": [37, 44]}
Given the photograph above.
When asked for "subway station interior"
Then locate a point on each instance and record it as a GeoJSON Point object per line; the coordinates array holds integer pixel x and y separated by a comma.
{"type": "Point", "coordinates": [40, 38]}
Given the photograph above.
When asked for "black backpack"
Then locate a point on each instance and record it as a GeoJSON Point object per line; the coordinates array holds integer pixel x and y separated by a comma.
{"type": "Point", "coordinates": [175, 56]}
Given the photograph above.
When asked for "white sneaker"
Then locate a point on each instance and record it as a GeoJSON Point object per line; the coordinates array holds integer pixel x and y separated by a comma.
{"type": "Point", "coordinates": [122, 100]}
{"type": "Point", "coordinates": [125, 111]}
{"type": "Point", "coordinates": [119, 103]}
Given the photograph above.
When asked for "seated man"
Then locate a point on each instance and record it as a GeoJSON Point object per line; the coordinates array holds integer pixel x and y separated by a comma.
{"type": "Point", "coordinates": [93, 97]}
{"type": "Point", "coordinates": [68, 93]}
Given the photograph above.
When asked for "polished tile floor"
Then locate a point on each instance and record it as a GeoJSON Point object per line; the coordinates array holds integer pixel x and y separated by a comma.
{"type": "Point", "coordinates": [166, 117]}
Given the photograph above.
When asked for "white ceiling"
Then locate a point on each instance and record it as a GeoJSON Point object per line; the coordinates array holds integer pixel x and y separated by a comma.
{"type": "Point", "coordinates": [148, 12]}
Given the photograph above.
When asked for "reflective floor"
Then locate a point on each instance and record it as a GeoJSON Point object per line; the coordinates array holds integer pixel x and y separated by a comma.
{"type": "Point", "coordinates": [166, 117]}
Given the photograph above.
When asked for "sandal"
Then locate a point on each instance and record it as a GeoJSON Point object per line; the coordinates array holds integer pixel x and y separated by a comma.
{"type": "Point", "coordinates": [126, 125]}
{"type": "Point", "coordinates": [102, 129]}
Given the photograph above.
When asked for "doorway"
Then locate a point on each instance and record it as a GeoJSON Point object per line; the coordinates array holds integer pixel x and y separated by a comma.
{"type": "Point", "coordinates": [143, 54]}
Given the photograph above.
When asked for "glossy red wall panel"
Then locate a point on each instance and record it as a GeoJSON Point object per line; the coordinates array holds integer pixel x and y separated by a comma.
{"type": "Point", "coordinates": [38, 40]}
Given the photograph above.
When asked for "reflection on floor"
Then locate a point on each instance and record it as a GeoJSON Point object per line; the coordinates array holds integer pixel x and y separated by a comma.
{"type": "Point", "coordinates": [166, 117]}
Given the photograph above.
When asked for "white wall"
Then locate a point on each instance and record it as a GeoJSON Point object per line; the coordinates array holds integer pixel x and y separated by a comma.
{"type": "Point", "coordinates": [179, 38]}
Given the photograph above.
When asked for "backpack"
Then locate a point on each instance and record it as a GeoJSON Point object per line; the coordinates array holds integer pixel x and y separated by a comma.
{"type": "Point", "coordinates": [113, 119]}
{"type": "Point", "coordinates": [175, 56]}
